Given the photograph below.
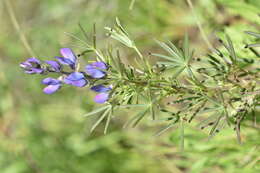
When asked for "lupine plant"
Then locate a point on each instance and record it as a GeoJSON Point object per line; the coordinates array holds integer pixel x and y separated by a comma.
{"type": "Point", "coordinates": [219, 89]}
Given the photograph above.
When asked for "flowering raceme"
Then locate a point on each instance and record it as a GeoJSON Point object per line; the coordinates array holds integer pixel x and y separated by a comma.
{"type": "Point", "coordinates": [94, 71]}
{"type": "Point", "coordinates": [195, 86]}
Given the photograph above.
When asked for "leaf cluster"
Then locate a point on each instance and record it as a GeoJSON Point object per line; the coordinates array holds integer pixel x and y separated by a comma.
{"type": "Point", "coordinates": [219, 89]}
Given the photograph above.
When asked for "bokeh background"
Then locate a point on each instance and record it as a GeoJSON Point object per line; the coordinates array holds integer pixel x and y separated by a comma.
{"type": "Point", "coordinates": [48, 134]}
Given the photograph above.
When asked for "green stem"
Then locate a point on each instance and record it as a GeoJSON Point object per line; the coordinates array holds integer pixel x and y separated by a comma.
{"type": "Point", "coordinates": [200, 26]}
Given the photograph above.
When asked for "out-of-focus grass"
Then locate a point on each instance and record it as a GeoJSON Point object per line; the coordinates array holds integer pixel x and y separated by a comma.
{"type": "Point", "coordinates": [40, 133]}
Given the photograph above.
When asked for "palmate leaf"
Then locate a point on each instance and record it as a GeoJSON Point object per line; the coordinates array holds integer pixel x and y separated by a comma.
{"type": "Point", "coordinates": [100, 119]}
{"type": "Point", "coordinates": [218, 63]}
{"type": "Point", "coordinates": [178, 59]}
{"type": "Point", "coordinates": [106, 113]}
{"type": "Point", "coordinates": [178, 71]}
{"type": "Point", "coordinates": [167, 58]}
{"type": "Point", "coordinates": [120, 34]}
{"type": "Point", "coordinates": [230, 48]}
{"type": "Point", "coordinates": [172, 50]}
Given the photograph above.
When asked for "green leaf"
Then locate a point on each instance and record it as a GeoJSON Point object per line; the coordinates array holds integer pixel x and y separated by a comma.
{"type": "Point", "coordinates": [137, 118]}
{"type": "Point", "coordinates": [213, 129]}
{"type": "Point", "coordinates": [100, 119]}
{"type": "Point", "coordinates": [231, 49]}
{"type": "Point", "coordinates": [118, 24]}
{"type": "Point", "coordinates": [164, 129]}
{"type": "Point", "coordinates": [253, 45]}
{"type": "Point", "coordinates": [133, 105]}
{"type": "Point", "coordinates": [167, 58]}
{"type": "Point", "coordinates": [108, 121]}
{"type": "Point", "coordinates": [253, 34]}
{"type": "Point", "coordinates": [178, 71]}
{"type": "Point", "coordinates": [168, 49]}
{"type": "Point", "coordinates": [97, 110]}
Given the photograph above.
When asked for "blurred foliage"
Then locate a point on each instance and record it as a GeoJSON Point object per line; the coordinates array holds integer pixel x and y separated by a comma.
{"type": "Point", "coordinates": [40, 133]}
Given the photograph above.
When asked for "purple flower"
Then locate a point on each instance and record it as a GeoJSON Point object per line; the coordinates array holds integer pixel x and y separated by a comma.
{"type": "Point", "coordinates": [101, 98]}
{"type": "Point", "coordinates": [103, 95]}
{"type": "Point", "coordinates": [54, 65]}
{"type": "Point", "coordinates": [76, 79]}
{"type": "Point", "coordinates": [53, 85]}
{"type": "Point", "coordinates": [69, 58]}
{"type": "Point", "coordinates": [96, 69]}
{"type": "Point", "coordinates": [100, 88]}
{"type": "Point", "coordinates": [32, 66]}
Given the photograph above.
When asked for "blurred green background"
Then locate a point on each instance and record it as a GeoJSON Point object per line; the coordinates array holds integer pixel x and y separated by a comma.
{"type": "Point", "coordinates": [48, 134]}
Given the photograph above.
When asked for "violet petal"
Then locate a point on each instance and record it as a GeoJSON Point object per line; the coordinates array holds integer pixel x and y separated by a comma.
{"type": "Point", "coordinates": [68, 53]}
{"type": "Point", "coordinates": [63, 60]}
{"type": "Point", "coordinates": [33, 60]}
{"type": "Point", "coordinates": [100, 88]}
{"type": "Point", "coordinates": [37, 70]}
{"type": "Point", "coordinates": [50, 89]}
{"type": "Point", "coordinates": [75, 76]}
{"type": "Point", "coordinates": [77, 83]}
{"type": "Point", "coordinates": [54, 65]}
{"type": "Point", "coordinates": [101, 98]}
{"type": "Point", "coordinates": [50, 81]}
{"type": "Point", "coordinates": [25, 64]}
{"type": "Point", "coordinates": [94, 72]}
{"type": "Point", "coordinates": [99, 65]}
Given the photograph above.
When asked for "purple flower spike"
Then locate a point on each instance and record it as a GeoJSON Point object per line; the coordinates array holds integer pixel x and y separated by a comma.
{"type": "Point", "coordinates": [54, 65]}
{"type": "Point", "coordinates": [96, 69]}
{"type": "Point", "coordinates": [69, 58]}
{"type": "Point", "coordinates": [100, 88]}
{"type": "Point", "coordinates": [76, 79]}
{"type": "Point", "coordinates": [53, 85]}
{"type": "Point", "coordinates": [101, 98]}
{"type": "Point", "coordinates": [32, 66]}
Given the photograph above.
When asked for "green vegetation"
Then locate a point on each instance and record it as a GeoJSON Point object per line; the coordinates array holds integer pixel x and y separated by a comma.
{"type": "Point", "coordinates": [48, 134]}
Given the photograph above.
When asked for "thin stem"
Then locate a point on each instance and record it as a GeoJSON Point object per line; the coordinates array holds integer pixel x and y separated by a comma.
{"type": "Point", "coordinates": [138, 52]}
{"type": "Point", "coordinates": [132, 5]}
{"type": "Point", "coordinates": [94, 36]}
{"type": "Point", "coordinates": [200, 26]}
{"type": "Point", "coordinates": [18, 28]}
